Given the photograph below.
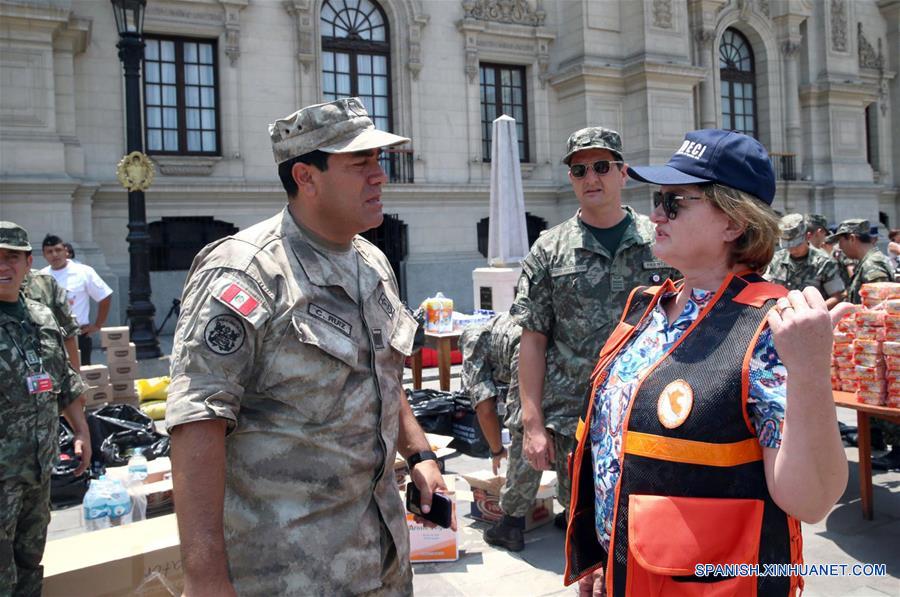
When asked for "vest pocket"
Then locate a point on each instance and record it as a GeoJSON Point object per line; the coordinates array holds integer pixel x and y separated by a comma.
{"type": "Point", "coordinates": [669, 537]}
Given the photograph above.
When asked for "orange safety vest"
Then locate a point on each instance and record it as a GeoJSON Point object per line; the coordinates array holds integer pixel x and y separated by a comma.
{"type": "Point", "coordinates": [692, 489]}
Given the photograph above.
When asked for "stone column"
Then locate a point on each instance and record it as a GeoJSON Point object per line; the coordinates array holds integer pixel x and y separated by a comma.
{"type": "Point", "coordinates": [708, 117]}
{"type": "Point", "coordinates": [790, 50]}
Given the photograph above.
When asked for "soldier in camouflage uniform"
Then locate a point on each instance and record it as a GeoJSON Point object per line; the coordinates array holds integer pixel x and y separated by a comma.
{"type": "Point", "coordinates": [39, 385]}
{"type": "Point", "coordinates": [573, 287]}
{"type": "Point", "coordinates": [817, 230]}
{"type": "Point", "coordinates": [856, 242]}
{"type": "Point", "coordinates": [286, 407]}
{"type": "Point", "coordinates": [798, 265]}
{"type": "Point", "coordinates": [44, 289]}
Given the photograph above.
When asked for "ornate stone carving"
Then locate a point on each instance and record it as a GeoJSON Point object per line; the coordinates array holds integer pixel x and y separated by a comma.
{"type": "Point", "coordinates": [704, 37]}
{"type": "Point", "coordinates": [839, 25]}
{"type": "Point", "coordinates": [790, 48]}
{"type": "Point", "coordinates": [868, 57]}
{"type": "Point", "coordinates": [301, 10]}
{"type": "Point", "coordinates": [764, 7]}
{"type": "Point", "coordinates": [662, 14]}
{"type": "Point", "coordinates": [233, 10]}
{"type": "Point", "coordinates": [517, 12]}
{"type": "Point", "coordinates": [186, 165]}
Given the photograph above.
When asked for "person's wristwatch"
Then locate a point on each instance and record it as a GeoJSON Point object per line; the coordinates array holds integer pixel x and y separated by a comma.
{"type": "Point", "coordinates": [419, 457]}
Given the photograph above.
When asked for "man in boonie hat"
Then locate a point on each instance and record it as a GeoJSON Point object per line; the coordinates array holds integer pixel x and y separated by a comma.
{"type": "Point", "coordinates": [289, 359]}
{"type": "Point", "coordinates": [855, 241]}
{"type": "Point", "coordinates": [817, 230]}
{"type": "Point", "coordinates": [798, 264]}
{"type": "Point", "coordinates": [38, 387]}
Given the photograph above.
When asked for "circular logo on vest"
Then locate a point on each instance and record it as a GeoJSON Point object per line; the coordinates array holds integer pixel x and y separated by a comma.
{"type": "Point", "coordinates": [224, 334]}
{"type": "Point", "coordinates": [674, 404]}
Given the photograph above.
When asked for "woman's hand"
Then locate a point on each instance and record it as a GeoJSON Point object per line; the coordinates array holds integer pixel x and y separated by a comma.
{"type": "Point", "coordinates": [802, 329]}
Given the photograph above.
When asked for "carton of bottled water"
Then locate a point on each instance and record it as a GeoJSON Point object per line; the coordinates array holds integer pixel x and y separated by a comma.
{"type": "Point", "coordinates": [137, 466]}
{"type": "Point", "coordinates": [106, 503]}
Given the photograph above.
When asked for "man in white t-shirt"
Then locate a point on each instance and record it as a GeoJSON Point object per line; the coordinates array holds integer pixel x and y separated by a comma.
{"type": "Point", "coordinates": [82, 284]}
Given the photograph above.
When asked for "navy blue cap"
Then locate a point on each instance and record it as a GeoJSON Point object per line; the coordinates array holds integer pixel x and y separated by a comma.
{"type": "Point", "coordinates": [728, 158]}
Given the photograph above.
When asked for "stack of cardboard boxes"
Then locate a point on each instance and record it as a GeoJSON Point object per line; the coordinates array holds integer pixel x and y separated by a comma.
{"type": "Point", "coordinates": [97, 379]}
{"type": "Point", "coordinates": [123, 367]}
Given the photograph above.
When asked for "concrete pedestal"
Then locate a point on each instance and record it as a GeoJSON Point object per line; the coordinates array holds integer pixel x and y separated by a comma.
{"type": "Point", "coordinates": [495, 287]}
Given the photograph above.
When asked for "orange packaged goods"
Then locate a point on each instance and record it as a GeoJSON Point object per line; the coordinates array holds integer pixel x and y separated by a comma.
{"type": "Point", "coordinates": [868, 360]}
{"type": "Point", "coordinates": [892, 306]}
{"type": "Point", "coordinates": [893, 398]}
{"type": "Point", "coordinates": [892, 348]}
{"type": "Point", "coordinates": [875, 399]}
{"type": "Point", "coordinates": [843, 350]}
{"type": "Point", "coordinates": [842, 337]}
{"type": "Point", "coordinates": [869, 346]}
{"type": "Point", "coordinates": [880, 291]}
{"type": "Point", "coordinates": [439, 314]}
{"type": "Point", "coordinates": [844, 362]}
{"type": "Point", "coordinates": [892, 362]}
{"type": "Point", "coordinates": [873, 386]}
{"type": "Point", "coordinates": [847, 324]}
{"type": "Point", "coordinates": [869, 373]}
{"type": "Point", "coordinates": [848, 386]}
{"type": "Point", "coordinates": [867, 332]}
{"type": "Point", "coordinates": [871, 318]}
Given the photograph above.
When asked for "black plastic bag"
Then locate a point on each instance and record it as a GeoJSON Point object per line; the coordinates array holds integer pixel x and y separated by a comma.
{"type": "Point", "coordinates": [65, 488]}
{"type": "Point", "coordinates": [466, 430]}
{"type": "Point", "coordinates": [119, 447]}
{"type": "Point", "coordinates": [433, 410]}
{"type": "Point", "coordinates": [114, 418]}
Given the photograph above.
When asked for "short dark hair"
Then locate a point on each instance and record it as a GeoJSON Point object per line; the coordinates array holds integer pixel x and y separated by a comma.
{"type": "Point", "coordinates": [864, 238]}
{"type": "Point", "coordinates": [51, 240]}
{"type": "Point", "coordinates": [70, 249]}
{"type": "Point", "coordinates": [316, 158]}
{"type": "Point", "coordinates": [894, 234]}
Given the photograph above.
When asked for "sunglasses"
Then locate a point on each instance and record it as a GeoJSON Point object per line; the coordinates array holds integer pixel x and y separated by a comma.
{"type": "Point", "coordinates": [670, 202]}
{"type": "Point", "coordinates": [601, 167]}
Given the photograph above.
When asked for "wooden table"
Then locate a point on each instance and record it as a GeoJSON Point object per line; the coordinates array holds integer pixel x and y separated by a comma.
{"type": "Point", "coordinates": [443, 343]}
{"type": "Point", "coordinates": [864, 441]}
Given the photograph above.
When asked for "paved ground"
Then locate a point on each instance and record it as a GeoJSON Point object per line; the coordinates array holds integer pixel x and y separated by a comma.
{"type": "Point", "coordinates": [842, 538]}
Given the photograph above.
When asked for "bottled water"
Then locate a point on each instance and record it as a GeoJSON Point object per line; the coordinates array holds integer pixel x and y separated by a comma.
{"type": "Point", "coordinates": [95, 509]}
{"type": "Point", "coordinates": [119, 501]}
{"type": "Point", "coordinates": [137, 466]}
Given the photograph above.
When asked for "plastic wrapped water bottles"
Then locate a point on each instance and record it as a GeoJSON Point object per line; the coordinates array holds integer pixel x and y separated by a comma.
{"type": "Point", "coordinates": [137, 466]}
{"type": "Point", "coordinates": [106, 503]}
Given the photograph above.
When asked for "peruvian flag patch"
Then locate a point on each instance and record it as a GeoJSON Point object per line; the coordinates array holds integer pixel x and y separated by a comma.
{"type": "Point", "coordinates": [239, 299]}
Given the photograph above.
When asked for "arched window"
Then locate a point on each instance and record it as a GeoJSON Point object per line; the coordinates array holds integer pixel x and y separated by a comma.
{"type": "Point", "coordinates": [356, 56]}
{"type": "Point", "coordinates": [738, 81]}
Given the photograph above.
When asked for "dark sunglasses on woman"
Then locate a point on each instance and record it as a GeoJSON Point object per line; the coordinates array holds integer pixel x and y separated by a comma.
{"type": "Point", "coordinates": [670, 202]}
{"type": "Point", "coordinates": [601, 167]}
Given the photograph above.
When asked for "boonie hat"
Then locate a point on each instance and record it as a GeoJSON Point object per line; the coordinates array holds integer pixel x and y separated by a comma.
{"type": "Point", "coordinates": [14, 237]}
{"type": "Point", "coordinates": [728, 158]}
{"type": "Point", "coordinates": [793, 231]}
{"type": "Point", "coordinates": [815, 221]}
{"type": "Point", "coordinates": [854, 226]}
{"type": "Point", "coordinates": [341, 126]}
{"type": "Point", "coordinates": [593, 137]}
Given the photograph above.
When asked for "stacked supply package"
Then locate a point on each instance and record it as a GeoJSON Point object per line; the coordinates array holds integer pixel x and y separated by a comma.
{"type": "Point", "coordinates": [891, 350]}
{"type": "Point", "coordinates": [122, 359]}
{"type": "Point", "coordinates": [877, 324]}
{"type": "Point", "coordinates": [99, 392]}
{"type": "Point", "coordinates": [843, 371]}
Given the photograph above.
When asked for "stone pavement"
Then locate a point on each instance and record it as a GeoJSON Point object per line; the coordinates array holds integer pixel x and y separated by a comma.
{"type": "Point", "coordinates": [843, 537]}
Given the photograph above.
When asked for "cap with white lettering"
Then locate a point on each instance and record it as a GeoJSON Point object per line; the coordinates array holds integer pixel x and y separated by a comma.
{"type": "Point", "coordinates": [728, 158]}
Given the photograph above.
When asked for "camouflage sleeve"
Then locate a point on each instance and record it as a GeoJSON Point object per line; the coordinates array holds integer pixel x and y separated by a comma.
{"type": "Point", "coordinates": [477, 378]}
{"type": "Point", "coordinates": [533, 306]}
{"type": "Point", "coordinates": [217, 339]}
{"type": "Point", "coordinates": [61, 310]}
{"type": "Point", "coordinates": [71, 387]}
{"type": "Point", "coordinates": [830, 276]}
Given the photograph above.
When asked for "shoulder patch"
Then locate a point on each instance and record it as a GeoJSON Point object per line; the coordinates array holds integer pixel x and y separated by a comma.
{"type": "Point", "coordinates": [241, 296]}
{"type": "Point", "coordinates": [224, 334]}
{"type": "Point", "coordinates": [239, 299]}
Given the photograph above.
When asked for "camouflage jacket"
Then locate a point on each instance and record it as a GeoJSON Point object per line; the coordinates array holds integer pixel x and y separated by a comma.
{"type": "Point", "coordinates": [816, 269]}
{"type": "Point", "coordinates": [44, 289]}
{"type": "Point", "coordinates": [491, 361]}
{"type": "Point", "coordinates": [29, 435]}
{"type": "Point", "coordinates": [300, 350]}
{"type": "Point", "coordinates": [873, 267]}
{"type": "Point", "coordinates": [573, 291]}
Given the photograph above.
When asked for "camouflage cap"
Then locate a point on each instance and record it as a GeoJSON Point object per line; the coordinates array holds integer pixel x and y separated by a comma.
{"type": "Point", "coordinates": [593, 137]}
{"type": "Point", "coordinates": [815, 221]}
{"type": "Point", "coordinates": [793, 231]}
{"type": "Point", "coordinates": [341, 126]}
{"type": "Point", "coordinates": [855, 226]}
{"type": "Point", "coordinates": [14, 237]}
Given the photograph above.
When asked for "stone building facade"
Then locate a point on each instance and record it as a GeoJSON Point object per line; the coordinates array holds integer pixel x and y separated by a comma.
{"type": "Point", "coordinates": [814, 80]}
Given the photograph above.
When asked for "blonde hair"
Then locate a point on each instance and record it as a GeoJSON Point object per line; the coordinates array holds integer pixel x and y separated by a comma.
{"type": "Point", "coordinates": [756, 246]}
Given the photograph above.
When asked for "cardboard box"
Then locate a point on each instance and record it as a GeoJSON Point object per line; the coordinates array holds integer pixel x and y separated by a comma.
{"type": "Point", "coordinates": [95, 375]}
{"type": "Point", "coordinates": [97, 397]}
{"type": "Point", "coordinates": [486, 498]}
{"type": "Point", "coordinates": [114, 336]}
{"type": "Point", "coordinates": [158, 469]}
{"type": "Point", "coordinates": [121, 354]}
{"type": "Point", "coordinates": [122, 372]}
{"type": "Point", "coordinates": [142, 558]}
{"type": "Point", "coordinates": [437, 544]}
{"type": "Point", "coordinates": [122, 390]}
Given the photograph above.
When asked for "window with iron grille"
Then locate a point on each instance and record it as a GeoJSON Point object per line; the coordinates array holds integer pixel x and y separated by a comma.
{"type": "Point", "coordinates": [503, 91]}
{"type": "Point", "coordinates": [181, 115]}
{"type": "Point", "coordinates": [737, 75]}
{"type": "Point", "coordinates": [175, 241]}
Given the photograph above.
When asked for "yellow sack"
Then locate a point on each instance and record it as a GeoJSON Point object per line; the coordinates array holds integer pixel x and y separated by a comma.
{"type": "Point", "coordinates": [155, 388]}
{"type": "Point", "coordinates": [155, 409]}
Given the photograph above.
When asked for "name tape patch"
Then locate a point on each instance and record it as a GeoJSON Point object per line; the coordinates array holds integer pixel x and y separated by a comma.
{"type": "Point", "coordinates": [330, 318]}
{"type": "Point", "coordinates": [239, 299]}
{"type": "Point", "coordinates": [385, 304]}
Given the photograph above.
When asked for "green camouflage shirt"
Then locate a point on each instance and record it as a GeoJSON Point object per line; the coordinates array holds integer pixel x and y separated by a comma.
{"type": "Point", "coordinates": [873, 267]}
{"type": "Point", "coordinates": [29, 440]}
{"type": "Point", "coordinates": [491, 361]}
{"type": "Point", "coordinates": [44, 289]}
{"type": "Point", "coordinates": [815, 269]}
{"type": "Point", "coordinates": [572, 291]}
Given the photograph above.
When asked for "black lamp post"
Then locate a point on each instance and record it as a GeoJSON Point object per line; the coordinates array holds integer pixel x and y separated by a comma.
{"type": "Point", "coordinates": [130, 23]}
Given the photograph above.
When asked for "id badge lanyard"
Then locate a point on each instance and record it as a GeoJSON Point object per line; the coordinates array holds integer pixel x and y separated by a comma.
{"type": "Point", "coordinates": [37, 380]}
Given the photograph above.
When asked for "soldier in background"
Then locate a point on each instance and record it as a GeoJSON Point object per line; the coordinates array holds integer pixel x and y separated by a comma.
{"type": "Point", "coordinates": [38, 386]}
{"type": "Point", "coordinates": [817, 230]}
{"type": "Point", "coordinates": [44, 289]}
{"type": "Point", "coordinates": [574, 284]}
{"type": "Point", "coordinates": [797, 264]}
{"type": "Point", "coordinates": [855, 241]}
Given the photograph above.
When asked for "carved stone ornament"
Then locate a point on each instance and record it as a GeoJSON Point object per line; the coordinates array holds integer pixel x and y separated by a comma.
{"type": "Point", "coordinates": [517, 12]}
{"type": "Point", "coordinates": [662, 14]}
{"type": "Point", "coordinates": [764, 7]}
{"type": "Point", "coordinates": [704, 37]}
{"type": "Point", "coordinates": [868, 57]}
{"type": "Point", "coordinates": [233, 10]}
{"type": "Point", "coordinates": [790, 48]}
{"type": "Point", "coordinates": [135, 171]}
{"type": "Point", "coordinates": [302, 12]}
{"type": "Point", "coordinates": [839, 25]}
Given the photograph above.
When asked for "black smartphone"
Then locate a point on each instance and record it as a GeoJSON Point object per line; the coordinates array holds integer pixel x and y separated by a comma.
{"type": "Point", "coordinates": [441, 512]}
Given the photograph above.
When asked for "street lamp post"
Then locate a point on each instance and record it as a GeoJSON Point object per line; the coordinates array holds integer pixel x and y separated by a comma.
{"type": "Point", "coordinates": [130, 22]}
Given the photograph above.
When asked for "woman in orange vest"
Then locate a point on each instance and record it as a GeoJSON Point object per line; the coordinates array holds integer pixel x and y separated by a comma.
{"type": "Point", "coordinates": [710, 429]}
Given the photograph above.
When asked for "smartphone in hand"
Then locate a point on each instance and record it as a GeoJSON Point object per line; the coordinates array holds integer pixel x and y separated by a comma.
{"type": "Point", "coordinates": [441, 512]}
